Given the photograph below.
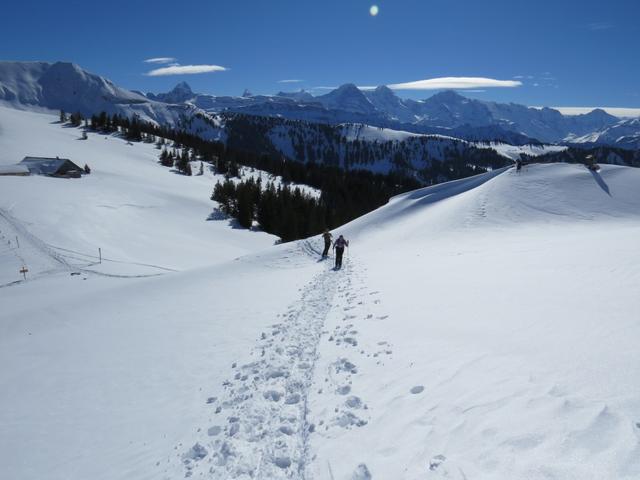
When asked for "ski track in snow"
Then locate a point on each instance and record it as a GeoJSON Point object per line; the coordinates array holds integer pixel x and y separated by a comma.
{"type": "Point", "coordinates": [261, 426]}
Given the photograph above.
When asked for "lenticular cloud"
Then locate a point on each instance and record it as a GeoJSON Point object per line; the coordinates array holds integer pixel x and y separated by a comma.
{"type": "Point", "coordinates": [455, 83]}
{"type": "Point", "coordinates": [160, 60]}
{"type": "Point", "coordinates": [185, 70]}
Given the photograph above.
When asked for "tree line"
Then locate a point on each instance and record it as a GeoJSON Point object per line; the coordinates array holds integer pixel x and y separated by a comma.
{"type": "Point", "coordinates": [430, 158]}
{"type": "Point", "coordinates": [280, 209]}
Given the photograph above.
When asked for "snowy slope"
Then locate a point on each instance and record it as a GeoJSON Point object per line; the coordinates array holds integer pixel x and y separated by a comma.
{"type": "Point", "coordinates": [368, 133]}
{"type": "Point", "coordinates": [355, 131]}
{"type": "Point", "coordinates": [483, 328]}
{"type": "Point", "coordinates": [135, 210]}
{"type": "Point", "coordinates": [467, 337]}
{"type": "Point", "coordinates": [304, 141]}
{"type": "Point", "coordinates": [510, 299]}
{"type": "Point", "coordinates": [625, 134]}
{"type": "Point", "coordinates": [514, 151]}
{"type": "Point", "coordinates": [43, 86]}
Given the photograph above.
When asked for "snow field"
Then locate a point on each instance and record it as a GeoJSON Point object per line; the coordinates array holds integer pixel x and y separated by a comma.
{"type": "Point", "coordinates": [483, 328]}
{"type": "Point", "coordinates": [110, 375]}
{"type": "Point", "coordinates": [146, 219]}
{"type": "Point", "coordinates": [511, 304]}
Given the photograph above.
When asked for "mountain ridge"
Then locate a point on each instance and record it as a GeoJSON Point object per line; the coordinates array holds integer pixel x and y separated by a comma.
{"type": "Point", "coordinates": [64, 85]}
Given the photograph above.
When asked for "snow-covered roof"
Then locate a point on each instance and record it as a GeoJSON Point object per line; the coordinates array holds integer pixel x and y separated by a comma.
{"type": "Point", "coordinates": [13, 169]}
{"type": "Point", "coordinates": [47, 166]}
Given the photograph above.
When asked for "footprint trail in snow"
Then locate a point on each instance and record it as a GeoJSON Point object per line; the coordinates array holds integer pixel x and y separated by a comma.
{"type": "Point", "coordinates": [261, 425]}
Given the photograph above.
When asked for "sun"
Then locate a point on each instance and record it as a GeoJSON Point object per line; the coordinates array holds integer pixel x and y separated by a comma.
{"type": "Point", "coordinates": [373, 11]}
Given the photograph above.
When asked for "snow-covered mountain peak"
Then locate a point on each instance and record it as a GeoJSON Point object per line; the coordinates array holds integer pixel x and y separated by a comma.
{"type": "Point", "coordinates": [383, 94]}
{"type": "Point", "coordinates": [180, 93]}
{"type": "Point", "coordinates": [350, 88]}
{"type": "Point", "coordinates": [301, 96]}
{"type": "Point", "coordinates": [599, 114]}
{"type": "Point", "coordinates": [387, 102]}
{"type": "Point", "coordinates": [383, 90]}
{"type": "Point", "coordinates": [447, 96]}
{"type": "Point", "coordinates": [182, 87]}
{"type": "Point", "coordinates": [347, 97]}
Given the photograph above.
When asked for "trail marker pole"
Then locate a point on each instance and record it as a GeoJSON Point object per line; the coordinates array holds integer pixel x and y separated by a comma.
{"type": "Point", "coordinates": [100, 254]}
{"type": "Point", "coordinates": [17, 241]}
{"type": "Point", "coordinates": [24, 271]}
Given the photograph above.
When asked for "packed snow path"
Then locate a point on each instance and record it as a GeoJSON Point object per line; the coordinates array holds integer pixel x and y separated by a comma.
{"type": "Point", "coordinates": [261, 427]}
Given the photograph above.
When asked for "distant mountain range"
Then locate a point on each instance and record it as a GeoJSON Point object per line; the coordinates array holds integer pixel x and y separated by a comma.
{"type": "Point", "coordinates": [67, 86]}
{"type": "Point", "coordinates": [443, 113]}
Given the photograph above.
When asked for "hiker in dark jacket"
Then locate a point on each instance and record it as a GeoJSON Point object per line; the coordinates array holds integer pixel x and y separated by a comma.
{"type": "Point", "coordinates": [338, 246]}
{"type": "Point", "coordinates": [327, 243]}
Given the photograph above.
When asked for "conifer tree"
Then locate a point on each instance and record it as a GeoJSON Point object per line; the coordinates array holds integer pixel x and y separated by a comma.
{"type": "Point", "coordinates": [244, 205]}
{"type": "Point", "coordinates": [182, 164]}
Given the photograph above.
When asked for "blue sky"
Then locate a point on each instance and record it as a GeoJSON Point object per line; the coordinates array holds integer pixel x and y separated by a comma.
{"type": "Point", "coordinates": [563, 52]}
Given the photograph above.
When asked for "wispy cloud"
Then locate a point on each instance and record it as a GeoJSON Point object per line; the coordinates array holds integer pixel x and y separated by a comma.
{"type": "Point", "coordinates": [185, 70]}
{"type": "Point", "coordinates": [456, 83]}
{"type": "Point", "coordinates": [293, 80]}
{"type": "Point", "coordinates": [160, 60]}
{"type": "Point", "coordinates": [597, 26]}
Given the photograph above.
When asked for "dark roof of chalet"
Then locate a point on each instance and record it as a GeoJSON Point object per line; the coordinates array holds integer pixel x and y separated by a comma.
{"type": "Point", "coordinates": [49, 166]}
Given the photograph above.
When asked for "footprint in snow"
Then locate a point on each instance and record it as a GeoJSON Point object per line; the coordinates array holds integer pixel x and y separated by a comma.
{"type": "Point", "coordinates": [348, 419]}
{"type": "Point", "coordinates": [286, 430]}
{"type": "Point", "coordinates": [417, 389]}
{"type": "Point", "coordinates": [272, 395]}
{"type": "Point", "coordinates": [282, 462]}
{"type": "Point", "coordinates": [436, 461]}
{"type": "Point", "coordinates": [361, 473]}
{"type": "Point", "coordinates": [351, 341]}
{"type": "Point", "coordinates": [344, 365]}
{"type": "Point", "coordinates": [343, 390]}
{"type": "Point", "coordinates": [195, 453]}
{"type": "Point", "coordinates": [353, 402]}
